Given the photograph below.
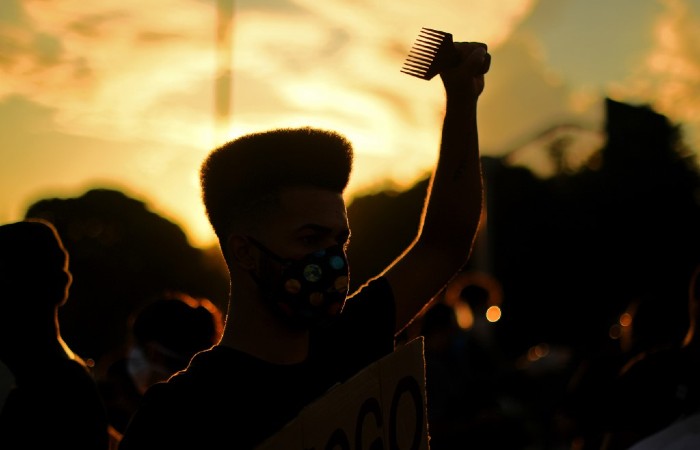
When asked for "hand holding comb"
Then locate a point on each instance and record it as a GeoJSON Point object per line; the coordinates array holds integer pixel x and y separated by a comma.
{"type": "Point", "coordinates": [432, 53]}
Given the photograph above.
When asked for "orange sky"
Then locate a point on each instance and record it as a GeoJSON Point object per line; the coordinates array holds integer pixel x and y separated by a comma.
{"type": "Point", "coordinates": [116, 94]}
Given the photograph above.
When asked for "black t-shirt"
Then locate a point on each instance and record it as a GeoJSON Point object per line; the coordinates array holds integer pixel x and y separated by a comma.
{"type": "Point", "coordinates": [230, 400]}
{"type": "Point", "coordinates": [55, 406]}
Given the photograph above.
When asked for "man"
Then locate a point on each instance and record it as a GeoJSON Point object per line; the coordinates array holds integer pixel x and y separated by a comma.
{"type": "Point", "coordinates": [275, 201]}
{"type": "Point", "coordinates": [54, 402]}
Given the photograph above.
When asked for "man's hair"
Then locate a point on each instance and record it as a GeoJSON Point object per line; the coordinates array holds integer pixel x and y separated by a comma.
{"type": "Point", "coordinates": [245, 175]}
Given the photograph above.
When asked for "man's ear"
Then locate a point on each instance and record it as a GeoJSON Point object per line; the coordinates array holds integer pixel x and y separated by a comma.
{"type": "Point", "coordinates": [238, 248]}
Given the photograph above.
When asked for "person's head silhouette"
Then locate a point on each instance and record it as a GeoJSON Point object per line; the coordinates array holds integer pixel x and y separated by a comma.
{"type": "Point", "coordinates": [167, 333]}
{"type": "Point", "coordinates": [54, 401]}
{"type": "Point", "coordinates": [34, 280]}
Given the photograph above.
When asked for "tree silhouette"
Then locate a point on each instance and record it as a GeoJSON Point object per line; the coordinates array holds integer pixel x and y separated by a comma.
{"type": "Point", "coordinates": [571, 251]}
{"type": "Point", "coordinates": [121, 254]}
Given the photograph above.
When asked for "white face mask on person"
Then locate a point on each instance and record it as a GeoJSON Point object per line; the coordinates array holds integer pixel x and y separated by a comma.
{"type": "Point", "coordinates": [143, 371]}
{"type": "Point", "coordinates": [305, 292]}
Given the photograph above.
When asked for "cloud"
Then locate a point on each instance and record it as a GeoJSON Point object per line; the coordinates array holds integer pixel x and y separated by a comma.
{"type": "Point", "coordinates": [138, 83]}
{"type": "Point", "coordinates": [340, 64]}
{"type": "Point", "coordinates": [108, 68]}
{"type": "Point", "coordinates": [524, 97]}
{"type": "Point", "coordinates": [111, 62]}
{"type": "Point", "coordinates": [400, 20]}
{"type": "Point", "coordinates": [669, 79]}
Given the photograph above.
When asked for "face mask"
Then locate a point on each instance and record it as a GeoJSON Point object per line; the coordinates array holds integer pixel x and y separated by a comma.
{"type": "Point", "coordinates": [306, 292]}
{"type": "Point", "coordinates": [143, 372]}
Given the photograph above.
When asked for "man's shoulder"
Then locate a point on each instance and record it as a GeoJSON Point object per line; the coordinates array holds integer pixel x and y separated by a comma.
{"type": "Point", "coordinates": [183, 391]}
{"type": "Point", "coordinates": [372, 301]}
{"type": "Point", "coordinates": [374, 286]}
{"type": "Point", "coordinates": [207, 367]}
{"type": "Point", "coordinates": [218, 368]}
{"type": "Point", "coordinates": [374, 290]}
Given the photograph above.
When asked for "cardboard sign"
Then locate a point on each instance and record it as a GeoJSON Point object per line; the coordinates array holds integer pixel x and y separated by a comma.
{"type": "Point", "coordinates": [382, 407]}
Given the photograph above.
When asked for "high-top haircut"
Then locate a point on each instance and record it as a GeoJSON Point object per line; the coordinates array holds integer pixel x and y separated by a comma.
{"type": "Point", "coordinates": [244, 176]}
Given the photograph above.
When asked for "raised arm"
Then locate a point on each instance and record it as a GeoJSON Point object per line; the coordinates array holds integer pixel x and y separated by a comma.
{"type": "Point", "coordinates": [455, 195]}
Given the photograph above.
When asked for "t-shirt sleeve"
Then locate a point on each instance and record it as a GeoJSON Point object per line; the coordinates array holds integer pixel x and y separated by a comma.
{"type": "Point", "coordinates": [364, 332]}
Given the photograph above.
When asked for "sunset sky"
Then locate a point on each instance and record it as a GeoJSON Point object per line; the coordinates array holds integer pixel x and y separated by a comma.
{"type": "Point", "coordinates": [121, 93]}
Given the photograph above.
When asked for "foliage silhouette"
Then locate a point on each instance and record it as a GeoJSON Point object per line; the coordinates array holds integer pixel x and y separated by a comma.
{"type": "Point", "coordinates": [573, 250]}
{"type": "Point", "coordinates": [122, 254]}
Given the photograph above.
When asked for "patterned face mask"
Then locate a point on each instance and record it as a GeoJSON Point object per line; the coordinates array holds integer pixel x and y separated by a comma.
{"type": "Point", "coordinates": [305, 292]}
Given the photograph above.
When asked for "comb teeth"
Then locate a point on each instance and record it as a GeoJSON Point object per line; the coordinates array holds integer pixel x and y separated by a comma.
{"type": "Point", "coordinates": [432, 53]}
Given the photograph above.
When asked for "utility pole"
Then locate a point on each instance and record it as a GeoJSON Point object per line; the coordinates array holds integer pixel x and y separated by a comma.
{"type": "Point", "coordinates": [223, 83]}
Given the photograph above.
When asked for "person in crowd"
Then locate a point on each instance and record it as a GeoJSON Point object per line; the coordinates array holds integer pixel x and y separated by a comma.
{"type": "Point", "coordinates": [275, 201]}
{"type": "Point", "coordinates": [660, 390]}
{"type": "Point", "coordinates": [468, 378]}
{"type": "Point", "coordinates": [54, 401]}
{"type": "Point", "coordinates": [163, 336]}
